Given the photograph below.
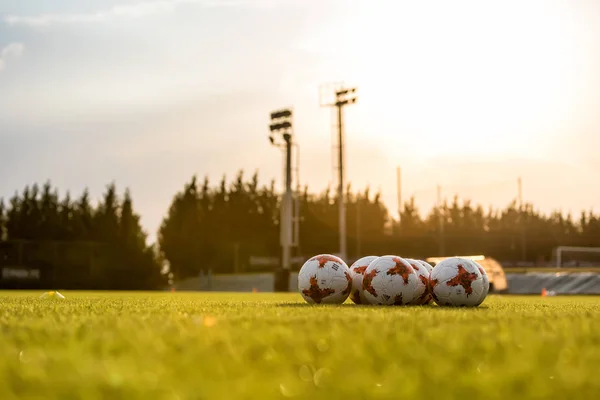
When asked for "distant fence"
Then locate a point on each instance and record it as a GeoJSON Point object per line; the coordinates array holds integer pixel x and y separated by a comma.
{"type": "Point", "coordinates": [26, 264]}
{"type": "Point", "coordinates": [528, 283]}
{"type": "Point", "coordinates": [262, 282]}
{"type": "Point", "coordinates": [567, 283]}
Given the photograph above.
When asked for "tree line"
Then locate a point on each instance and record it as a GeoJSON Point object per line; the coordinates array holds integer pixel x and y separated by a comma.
{"type": "Point", "coordinates": [75, 243]}
{"type": "Point", "coordinates": [219, 227]}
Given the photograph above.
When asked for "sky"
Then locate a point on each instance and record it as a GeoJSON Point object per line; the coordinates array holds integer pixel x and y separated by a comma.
{"type": "Point", "coordinates": [467, 95]}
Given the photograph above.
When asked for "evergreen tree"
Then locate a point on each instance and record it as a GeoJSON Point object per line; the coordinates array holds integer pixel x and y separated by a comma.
{"type": "Point", "coordinates": [106, 218]}
{"type": "Point", "coordinates": [28, 214]}
{"type": "Point", "coordinates": [410, 223]}
{"type": "Point", "coordinates": [66, 229]}
{"type": "Point", "coordinates": [83, 218]}
{"type": "Point", "coordinates": [131, 234]}
{"type": "Point", "coordinates": [46, 214]}
{"type": "Point", "coordinates": [267, 215]}
{"type": "Point", "coordinates": [180, 233]}
{"type": "Point", "coordinates": [219, 227]}
{"type": "Point", "coordinates": [590, 229]}
{"type": "Point", "coordinates": [13, 218]}
{"type": "Point", "coordinates": [138, 268]}
{"type": "Point", "coordinates": [2, 220]}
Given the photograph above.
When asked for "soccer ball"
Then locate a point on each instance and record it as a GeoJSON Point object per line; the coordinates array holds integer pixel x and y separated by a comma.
{"type": "Point", "coordinates": [456, 282]}
{"type": "Point", "coordinates": [390, 280]}
{"type": "Point", "coordinates": [486, 281]}
{"type": "Point", "coordinates": [426, 265]}
{"type": "Point", "coordinates": [422, 295]}
{"type": "Point", "coordinates": [429, 269]}
{"type": "Point", "coordinates": [324, 279]}
{"type": "Point", "coordinates": [357, 272]}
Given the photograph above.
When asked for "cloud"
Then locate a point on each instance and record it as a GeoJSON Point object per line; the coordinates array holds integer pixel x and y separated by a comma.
{"type": "Point", "coordinates": [12, 50]}
{"type": "Point", "coordinates": [126, 11]}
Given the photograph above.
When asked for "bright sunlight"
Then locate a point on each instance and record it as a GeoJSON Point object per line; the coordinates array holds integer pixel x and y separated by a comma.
{"type": "Point", "coordinates": [446, 77]}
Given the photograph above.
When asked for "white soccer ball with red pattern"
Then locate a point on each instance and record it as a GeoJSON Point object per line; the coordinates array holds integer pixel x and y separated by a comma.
{"type": "Point", "coordinates": [357, 272]}
{"type": "Point", "coordinates": [422, 295]}
{"type": "Point", "coordinates": [426, 265]}
{"type": "Point", "coordinates": [429, 268]}
{"type": "Point", "coordinates": [324, 279]}
{"type": "Point", "coordinates": [456, 281]}
{"type": "Point", "coordinates": [390, 280]}
{"type": "Point", "coordinates": [486, 282]}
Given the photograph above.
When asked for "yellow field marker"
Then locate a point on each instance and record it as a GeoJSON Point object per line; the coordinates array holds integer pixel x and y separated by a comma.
{"type": "Point", "coordinates": [52, 294]}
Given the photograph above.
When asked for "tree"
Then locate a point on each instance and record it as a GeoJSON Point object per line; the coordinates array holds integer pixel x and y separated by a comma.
{"type": "Point", "coordinates": [138, 268]}
{"type": "Point", "coordinates": [28, 214]}
{"type": "Point", "coordinates": [411, 233]}
{"type": "Point", "coordinates": [220, 226]}
{"type": "Point", "coordinates": [83, 247]}
{"type": "Point", "coordinates": [13, 218]}
{"type": "Point", "coordinates": [180, 233]}
{"type": "Point", "coordinates": [83, 218]}
{"type": "Point", "coordinates": [131, 234]}
{"type": "Point", "coordinates": [106, 218]}
{"type": "Point", "coordinates": [46, 214]}
{"type": "Point", "coordinates": [65, 229]}
{"type": "Point", "coordinates": [590, 229]}
{"type": "Point", "coordinates": [2, 221]}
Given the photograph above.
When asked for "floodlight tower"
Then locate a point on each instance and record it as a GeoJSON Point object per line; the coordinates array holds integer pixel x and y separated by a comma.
{"type": "Point", "coordinates": [399, 191]}
{"type": "Point", "coordinates": [343, 97]}
{"type": "Point", "coordinates": [281, 124]}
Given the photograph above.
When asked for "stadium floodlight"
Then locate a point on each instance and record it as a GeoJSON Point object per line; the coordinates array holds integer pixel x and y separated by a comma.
{"type": "Point", "coordinates": [281, 125]}
{"type": "Point", "coordinates": [343, 97]}
{"type": "Point", "coordinates": [287, 113]}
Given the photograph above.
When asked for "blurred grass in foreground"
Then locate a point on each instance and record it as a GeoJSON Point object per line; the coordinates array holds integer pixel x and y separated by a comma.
{"type": "Point", "coordinates": [269, 346]}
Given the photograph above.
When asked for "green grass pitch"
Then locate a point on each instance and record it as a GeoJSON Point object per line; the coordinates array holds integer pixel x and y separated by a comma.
{"type": "Point", "coordinates": [274, 346]}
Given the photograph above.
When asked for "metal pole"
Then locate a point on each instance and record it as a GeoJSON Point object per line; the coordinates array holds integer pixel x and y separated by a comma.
{"type": "Point", "coordinates": [296, 201]}
{"type": "Point", "coordinates": [442, 246]}
{"type": "Point", "coordinates": [399, 189]}
{"type": "Point", "coordinates": [358, 226]}
{"type": "Point", "coordinates": [342, 98]}
{"type": "Point", "coordinates": [522, 221]}
{"type": "Point", "coordinates": [281, 122]}
{"type": "Point", "coordinates": [286, 223]}
{"type": "Point", "coordinates": [342, 205]}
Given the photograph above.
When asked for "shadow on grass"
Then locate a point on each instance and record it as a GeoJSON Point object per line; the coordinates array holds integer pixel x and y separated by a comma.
{"type": "Point", "coordinates": [306, 305]}
{"type": "Point", "coordinates": [374, 306]}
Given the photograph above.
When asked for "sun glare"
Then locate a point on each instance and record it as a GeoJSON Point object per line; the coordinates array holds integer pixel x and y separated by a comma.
{"type": "Point", "coordinates": [456, 78]}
